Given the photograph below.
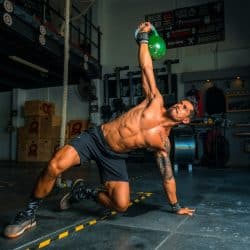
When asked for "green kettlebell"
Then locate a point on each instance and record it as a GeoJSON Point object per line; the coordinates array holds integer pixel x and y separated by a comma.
{"type": "Point", "coordinates": [156, 45]}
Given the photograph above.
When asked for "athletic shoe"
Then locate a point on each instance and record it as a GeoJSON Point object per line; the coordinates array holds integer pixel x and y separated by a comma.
{"type": "Point", "coordinates": [20, 224]}
{"type": "Point", "coordinates": [67, 200]}
{"type": "Point", "coordinates": [79, 191]}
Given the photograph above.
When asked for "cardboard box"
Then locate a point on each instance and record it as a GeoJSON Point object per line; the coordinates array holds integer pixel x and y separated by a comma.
{"type": "Point", "coordinates": [33, 127]}
{"type": "Point", "coordinates": [39, 127]}
{"type": "Point", "coordinates": [51, 121]}
{"type": "Point", "coordinates": [55, 132]}
{"type": "Point", "coordinates": [55, 145]}
{"type": "Point", "coordinates": [35, 151]}
{"type": "Point", "coordinates": [39, 108]}
{"type": "Point", "coordinates": [76, 127]}
{"type": "Point", "coordinates": [44, 150]}
{"type": "Point", "coordinates": [50, 127]}
{"type": "Point", "coordinates": [21, 152]}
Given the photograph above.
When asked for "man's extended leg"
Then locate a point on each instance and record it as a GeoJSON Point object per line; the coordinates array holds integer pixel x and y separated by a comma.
{"type": "Point", "coordinates": [65, 158]}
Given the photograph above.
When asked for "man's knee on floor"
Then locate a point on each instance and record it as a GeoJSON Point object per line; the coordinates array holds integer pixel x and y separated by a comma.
{"type": "Point", "coordinates": [121, 205]}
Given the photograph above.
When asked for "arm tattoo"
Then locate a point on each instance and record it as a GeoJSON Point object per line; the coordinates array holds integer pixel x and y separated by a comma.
{"type": "Point", "coordinates": [164, 166]}
{"type": "Point", "coordinates": [167, 146]}
{"type": "Point", "coordinates": [163, 161]}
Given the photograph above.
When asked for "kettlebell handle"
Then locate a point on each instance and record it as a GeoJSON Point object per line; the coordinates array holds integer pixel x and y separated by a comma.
{"type": "Point", "coordinates": [153, 29]}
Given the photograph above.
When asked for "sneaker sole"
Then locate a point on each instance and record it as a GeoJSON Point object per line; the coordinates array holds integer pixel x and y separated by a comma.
{"type": "Point", "coordinates": [64, 205]}
{"type": "Point", "coordinates": [22, 231]}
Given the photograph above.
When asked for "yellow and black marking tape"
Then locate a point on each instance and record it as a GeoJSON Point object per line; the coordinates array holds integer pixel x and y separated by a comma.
{"type": "Point", "coordinates": [108, 214]}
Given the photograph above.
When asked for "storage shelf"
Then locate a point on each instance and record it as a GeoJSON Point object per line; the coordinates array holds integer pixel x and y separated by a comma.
{"type": "Point", "coordinates": [235, 95]}
{"type": "Point", "coordinates": [242, 125]}
{"type": "Point", "coordinates": [239, 110]}
{"type": "Point", "coordinates": [242, 134]}
{"type": "Point", "coordinates": [238, 102]}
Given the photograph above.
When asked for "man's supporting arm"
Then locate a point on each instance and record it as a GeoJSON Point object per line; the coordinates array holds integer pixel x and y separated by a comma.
{"type": "Point", "coordinates": [169, 184]}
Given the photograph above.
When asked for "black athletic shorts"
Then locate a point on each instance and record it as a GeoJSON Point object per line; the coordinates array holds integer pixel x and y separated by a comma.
{"type": "Point", "coordinates": [91, 145]}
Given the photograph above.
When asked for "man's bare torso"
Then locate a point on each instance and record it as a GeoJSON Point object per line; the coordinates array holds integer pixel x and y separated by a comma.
{"type": "Point", "coordinates": [144, 126]}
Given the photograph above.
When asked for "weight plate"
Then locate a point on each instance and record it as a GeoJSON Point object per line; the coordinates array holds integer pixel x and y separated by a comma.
{"type": "Point", "coordinates": [42, 30]}
{"type": "Point", "coordinates": [8, 6]}
{"type": "Point", "coordinates": [7, 19]}
{"type": "Point", "coordinates": [42, 40]}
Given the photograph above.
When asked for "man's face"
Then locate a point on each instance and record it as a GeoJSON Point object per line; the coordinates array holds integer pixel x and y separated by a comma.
{"type": "Point", "coordinates": [180, 112]}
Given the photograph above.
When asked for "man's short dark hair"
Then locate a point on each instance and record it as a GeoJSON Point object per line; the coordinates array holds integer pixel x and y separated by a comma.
{"type": "Point", "coordinates": [193, 101]}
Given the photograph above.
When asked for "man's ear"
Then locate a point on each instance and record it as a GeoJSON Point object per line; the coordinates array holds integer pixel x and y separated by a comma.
{"type": "Point", "coordinates": [186, 120]}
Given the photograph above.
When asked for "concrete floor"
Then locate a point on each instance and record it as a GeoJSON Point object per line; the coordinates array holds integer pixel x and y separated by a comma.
{"type": "Point", "coordinates": [221, 198]}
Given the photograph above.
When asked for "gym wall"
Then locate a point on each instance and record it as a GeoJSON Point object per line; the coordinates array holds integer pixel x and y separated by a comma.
{"type": "Point", "coordinates": [118, 20]}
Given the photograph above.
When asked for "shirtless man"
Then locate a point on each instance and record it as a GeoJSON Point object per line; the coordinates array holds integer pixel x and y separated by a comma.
{"type": "Point", "coordinates": [146, 125]}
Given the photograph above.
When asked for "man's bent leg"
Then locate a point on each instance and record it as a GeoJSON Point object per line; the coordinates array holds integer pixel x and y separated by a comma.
{"type": "Point", "coordinates": [63, 159]}
{"type": "Point", "coordinates": [117, 196]}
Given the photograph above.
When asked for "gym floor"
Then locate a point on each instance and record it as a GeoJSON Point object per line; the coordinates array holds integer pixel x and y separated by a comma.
{"type": "Point", "coordinates": [220, 196]}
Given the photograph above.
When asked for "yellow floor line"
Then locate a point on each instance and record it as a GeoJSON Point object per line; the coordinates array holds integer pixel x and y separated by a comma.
{"type": "Point", "coordinates": [80, 227]}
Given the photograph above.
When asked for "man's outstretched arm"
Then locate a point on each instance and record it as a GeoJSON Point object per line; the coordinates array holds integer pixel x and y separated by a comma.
{"type": "Point", "coordinates": [169, 185]}
{"type": "Point", "coordinates": [148, 79]}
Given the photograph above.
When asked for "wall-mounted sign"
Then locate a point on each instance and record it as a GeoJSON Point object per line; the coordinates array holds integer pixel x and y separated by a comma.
{"type": "Point", "coordinates": [191, 25]}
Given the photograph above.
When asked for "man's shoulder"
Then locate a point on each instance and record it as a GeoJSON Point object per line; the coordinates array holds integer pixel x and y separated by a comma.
{"type": "Point", "coordinates": [156, 99]}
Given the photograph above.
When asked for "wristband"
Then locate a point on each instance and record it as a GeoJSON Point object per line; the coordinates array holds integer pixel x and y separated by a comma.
{"type": "Point", "coordinates": [175, 207]}
{"type": "Point", "coordinates": [142, 37]}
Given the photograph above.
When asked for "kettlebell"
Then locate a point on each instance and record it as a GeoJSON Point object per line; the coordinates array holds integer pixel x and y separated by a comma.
{"type": "Point", "coordinates": [156, 45]}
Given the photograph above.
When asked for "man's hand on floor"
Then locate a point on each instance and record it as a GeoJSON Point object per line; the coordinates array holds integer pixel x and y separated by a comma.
{"type": "Point", "coordinates": [186, 211]}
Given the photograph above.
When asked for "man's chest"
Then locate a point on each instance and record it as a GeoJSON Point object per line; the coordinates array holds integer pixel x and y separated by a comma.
{"type": "Point", "coordinates": [156, 138]}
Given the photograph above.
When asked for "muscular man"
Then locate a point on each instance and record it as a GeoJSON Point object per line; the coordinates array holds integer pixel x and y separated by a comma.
{"type": "Point", "coordinates": [147, 125]}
